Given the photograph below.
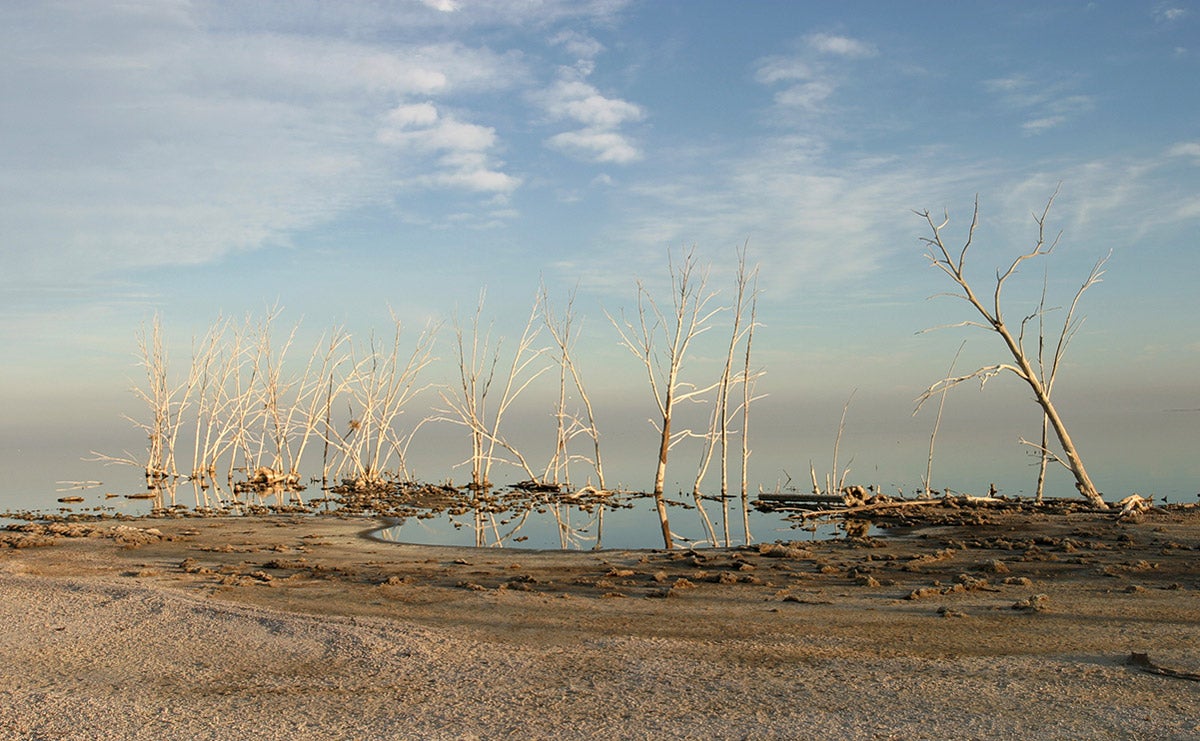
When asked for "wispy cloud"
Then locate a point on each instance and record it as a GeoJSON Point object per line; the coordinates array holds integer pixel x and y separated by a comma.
{"type": "Point", "coordinates": [823, 225]}
{"type": "Point", "coordinates": [1045, 105]}
{"type": "Point", "coordinates": [808, 80]}
{"type": "Point", "coordinates": [842, 46]}
{"type": "Point", "coordinates": [1169, 13]}
{"type": "Point", "coordinates": [1185, 149]}
{"type": "Point", "coordinates": [579, 45]}
{"type": "Point", "coordinates": [828, 223]}
{"type": "Point", "coordinates": [141, 137]}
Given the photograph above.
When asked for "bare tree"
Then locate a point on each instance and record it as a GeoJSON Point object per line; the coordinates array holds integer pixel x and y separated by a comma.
{"type": "Point", "coordinates": [689, 318]}
{"type": "Point", "coordinates": [568, 425]}
{"type": "Point", "coordinates": [1070, 326]}
{"type": "Point", "coordinates": [748, 380]}
{"type": "Point", "coordinates": [160, 397]}
{"type": "Point", "coordinates": [381, 383]}
{"type": "Point", "coordinates": [468, 404]}
{"type": "Point", "coordinates": [314, 398]}
{"type": "Point", "coordinates": [835, 480]}
{"type": "Point", "coordinates": [937, 422]}
{"type": "Point", "coordinates": [719, 423]}
{"type": "Point", "coordinates": [207, 357]}
{"type": "Point", "coordinates": [952, 265]}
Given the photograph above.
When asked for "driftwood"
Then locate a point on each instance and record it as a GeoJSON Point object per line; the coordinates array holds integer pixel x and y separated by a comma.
{"type": "Point", "coordinates": [858, 502]}
{"type": "Point", "coordinates": [1143, 662]}
{"type": "Point", "coordinates": [874, 507]}
{"type": "Point", "coordinates": [788, 497]}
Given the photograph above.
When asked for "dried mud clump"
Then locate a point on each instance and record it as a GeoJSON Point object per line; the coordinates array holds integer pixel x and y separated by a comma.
{"type": "Point", "coordinates": [1033, 603]}
{"type": "Point", "coordinates": [781, 550]}
{"type": "Point", "coordinates": [34, 534]}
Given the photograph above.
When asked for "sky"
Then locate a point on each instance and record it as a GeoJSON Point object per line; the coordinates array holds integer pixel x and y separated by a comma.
{"type": "Point", "coordinates": [348, 162]}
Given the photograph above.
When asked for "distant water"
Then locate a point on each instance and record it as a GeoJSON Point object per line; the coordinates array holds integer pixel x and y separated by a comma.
{"type": "Point", "coordinates": [35, 473]}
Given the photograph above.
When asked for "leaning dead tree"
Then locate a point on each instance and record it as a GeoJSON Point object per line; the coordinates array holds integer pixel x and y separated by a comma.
{"type": "Point", "coordinates": [689, 317]}
{"type": "Point", "coordinates": [1040, 379]}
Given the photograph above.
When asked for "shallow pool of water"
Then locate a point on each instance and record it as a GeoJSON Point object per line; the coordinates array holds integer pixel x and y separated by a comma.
{"type": "Point", "coordinates": [559, 526]}
{"type": "Point", "coordinates": [508, 519]}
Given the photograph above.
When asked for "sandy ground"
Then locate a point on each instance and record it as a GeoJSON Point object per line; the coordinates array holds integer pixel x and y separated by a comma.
{"type": "Point", "coordinates": [1013, 626]}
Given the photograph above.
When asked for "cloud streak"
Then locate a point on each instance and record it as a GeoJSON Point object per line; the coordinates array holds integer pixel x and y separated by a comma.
{"type": "Point", "coordinates": [807, 81]}
{"type": "Point", "coordinates": [1045, 105]}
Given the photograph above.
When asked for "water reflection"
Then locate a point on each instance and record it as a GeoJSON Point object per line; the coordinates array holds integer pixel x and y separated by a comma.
{"type": "Point", "coordinates": [519, 516]}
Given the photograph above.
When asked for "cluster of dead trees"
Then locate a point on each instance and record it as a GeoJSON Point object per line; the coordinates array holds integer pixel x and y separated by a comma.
{"type": "Point", "coordinates": [246, 407]}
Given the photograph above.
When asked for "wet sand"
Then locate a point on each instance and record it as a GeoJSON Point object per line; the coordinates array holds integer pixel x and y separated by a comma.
{"type": "Point", "coordinates": [986, 625]}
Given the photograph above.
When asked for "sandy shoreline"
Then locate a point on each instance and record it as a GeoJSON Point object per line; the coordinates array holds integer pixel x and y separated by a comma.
{"type": "Point", "coordinates": [301, 628]}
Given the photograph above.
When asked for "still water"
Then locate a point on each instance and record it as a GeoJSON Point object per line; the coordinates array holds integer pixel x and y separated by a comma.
{"type": "Point", "coordinates": [36, 470]}
{"type": "Point", "coordinates": [510, 519]}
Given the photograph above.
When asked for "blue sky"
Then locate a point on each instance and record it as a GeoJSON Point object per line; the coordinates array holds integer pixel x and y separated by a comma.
{"type": "Point", "coordinates": [345, 160]}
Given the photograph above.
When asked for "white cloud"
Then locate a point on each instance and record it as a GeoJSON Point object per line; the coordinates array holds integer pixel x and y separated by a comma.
{"type": "Point", "coordinates": [842, 46]}
{"type": "Point", "coordinates": [1188, 210]}
{"type": "Point", "coordinates": [416, 114]}
{"type": "Point", "coordinates": [577, 44]}
{"type": "Point", "coordinates": [577, 100]}
{"type": "Point", "coordinates": [433, 133]}
{"type": "Point", "coordinates": [810, 95]}
{"type": "Point", "coordinates": [444, 6]}
{"type": "Point", "coordinates": [782, 69]}
{"type": "Point", "coordinates": [1185, 149]}
{"type": "Point", "coordinates": [572, 99]}
{"type": "Point", "coordinates": [476, 178]}
{"type": "Point", "coordinates": [388, 72]}
{"type": "Point", "coordinates": [464, 160]}
{"type": "Point", "coordinates": [1038, 125]}
{"type": "Point", "coordinates": [597, 146]}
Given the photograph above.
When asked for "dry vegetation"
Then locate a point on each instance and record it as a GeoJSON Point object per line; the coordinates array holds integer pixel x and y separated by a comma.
{"type": "Point", "coordinates": [255, 419]}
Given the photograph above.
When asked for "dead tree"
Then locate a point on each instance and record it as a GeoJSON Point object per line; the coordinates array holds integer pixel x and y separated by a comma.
{"type": "Point", "coordinates": [689, 318]}
{"type": "Point", "coordinates": [719, 423]}
{"type": "Point", "coordinates": [568, 425]}
{"type": "Point", "coordinates": [1022, 366]}
{"type": "Point", "coordinates": [467, 405]}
